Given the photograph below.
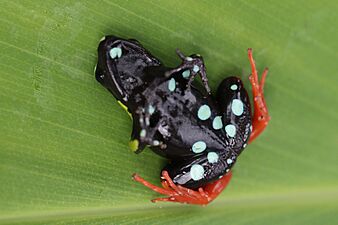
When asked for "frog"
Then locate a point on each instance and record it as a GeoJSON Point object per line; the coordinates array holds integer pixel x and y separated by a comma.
{"type": "Point", "coordinates": [200, 133]}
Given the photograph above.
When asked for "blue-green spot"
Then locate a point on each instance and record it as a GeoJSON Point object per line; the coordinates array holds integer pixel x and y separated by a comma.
{"type": "Point", "coordinates": [230, 130]}
{"type": "Point", "coordinates": [217, 123]}
{"type": "Point", "coordinates": [143, 133]}
{"type": "Point", "coordinates": [237, 107]}
{"type": "Point", "coordinates": [151, 109]}
{"type": "Point", "coordinates": [115, 52]}
{"type": "Point", "coordinates": [199, 147]}
{"type": "Point", "coordinates": [229, 161]}
{"type": "Point", "coordinates": [186, 74]}
{"type": "Point", "coordinates": [197, 172]}
{"type": "Point", "coordinates": [172, 84]}
{"type": "Point", "coordinates": [233, 87]}
{"type": "Point", "coordinates": [212, 157]}
{"type": "Point", "coordinates": [204, 112]}
{"type": "Point", "coordinates": [196, 69]}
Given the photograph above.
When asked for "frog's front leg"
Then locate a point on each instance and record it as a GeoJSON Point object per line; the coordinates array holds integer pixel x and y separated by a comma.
{"type": "Point", "coordinates": [190, 67]}
{"type": "Point", "coordinates": [178, 193]}
{"type": "Point", "coordinates": [261, 116]}
{"type": "Point", "coordinates": [144, 131]}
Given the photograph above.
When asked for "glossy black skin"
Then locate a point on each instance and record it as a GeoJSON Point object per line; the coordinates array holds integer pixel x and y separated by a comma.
{"type": "Point", "coordinates": [137, 79]}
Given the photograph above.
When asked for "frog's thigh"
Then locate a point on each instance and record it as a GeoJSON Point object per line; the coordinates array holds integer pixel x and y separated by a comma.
{"type": "Point", "coordinates": [202, 169]}
{"type": "Point", "coordinates": [236, 111]}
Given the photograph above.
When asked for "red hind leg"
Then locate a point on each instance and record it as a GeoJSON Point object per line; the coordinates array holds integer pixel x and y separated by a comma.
{"type": "Point", "coordinates": [215, 188]}
{"type": "Point", "coordinates": [261, 116]}
{"type": "Point", "coordinates": [178, 193]}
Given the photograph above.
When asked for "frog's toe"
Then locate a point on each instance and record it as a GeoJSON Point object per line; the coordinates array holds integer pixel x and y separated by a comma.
{"type": "Point", "coordinates": [175, 193]}
{"type": "Point", "coordinates": [261, 115]}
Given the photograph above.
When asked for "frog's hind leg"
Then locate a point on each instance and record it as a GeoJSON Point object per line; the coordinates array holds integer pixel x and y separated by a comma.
{"type": "Point", "coordinates": [234, 106]}
{"type": "Point", "coordinates": [196, 180]}
{"type": "Point", "coordinates": [177, 193]}
{"type": "Point", "coordinates": [120, 66]}
{"type": "Point", "coordinates": [261, 116]}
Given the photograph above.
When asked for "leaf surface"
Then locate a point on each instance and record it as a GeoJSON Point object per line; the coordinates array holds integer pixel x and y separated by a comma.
{"type": "Point", "coordinates": [64, 156]}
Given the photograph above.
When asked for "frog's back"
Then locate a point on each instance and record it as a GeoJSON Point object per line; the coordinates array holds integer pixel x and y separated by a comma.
{"type": "Point", "coordinates": [202, 135]}
{"type": "Point", "coordinates": [198, 123]}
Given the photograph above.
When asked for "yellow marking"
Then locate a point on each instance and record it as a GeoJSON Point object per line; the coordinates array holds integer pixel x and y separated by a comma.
{"type": "Point", "coordinates": [133, 145]}
{"type": "Point", "coordinates": [125, 108]}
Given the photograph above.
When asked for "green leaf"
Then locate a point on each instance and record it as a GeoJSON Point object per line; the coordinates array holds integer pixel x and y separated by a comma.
{"type": "Point", "coordinates": [64, 156]}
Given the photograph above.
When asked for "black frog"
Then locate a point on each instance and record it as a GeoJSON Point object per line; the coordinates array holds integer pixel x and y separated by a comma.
{"type": "Point", "coordinates": [202, 135]}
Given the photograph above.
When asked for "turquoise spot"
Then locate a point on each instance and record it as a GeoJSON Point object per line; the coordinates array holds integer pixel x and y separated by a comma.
{"type": "Point", "coordinates": [233, 87]}
{"type": "Point", "coordinates": [229, 161]}
{"type": "Point", "coordinates": [237, 107]}
{"type": "Point", "coordinates": [199, 146]}
{"type": "Point", "coordinates": [172, 84]}
{"type": "Point", "coordinates": [204, 112]}
{"type": "Point", "coordinates": [197, 172]}
{"type": "Point", "coordinates": [151, 109]}
{"type": "Point", "coordinates": [231, 130]}
{"type": "Point", "coordinates": [196, 69]}
{"type": "Point", "coordinates": [143, 133]}
{"type": "Point", "coordinates": [115, 52]}
{"type": "Point", "coordinates": [186, 74]}
{"type": "Point", "coordinates": [212, 157]}
{"type": "Point", "coordinates": [217, 123]}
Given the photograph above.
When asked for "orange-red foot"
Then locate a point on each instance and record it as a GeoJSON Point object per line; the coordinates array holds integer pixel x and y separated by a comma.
{"type": "Point", "coordinates": [178, 193]}
{"type": "Point", "coordinates": [261, 116]}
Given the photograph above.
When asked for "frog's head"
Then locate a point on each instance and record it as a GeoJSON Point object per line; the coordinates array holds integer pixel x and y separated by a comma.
{"type": "Point", "coordinates": [112, 69]}
{"type": "Point", "coordinates": [121, 64]}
